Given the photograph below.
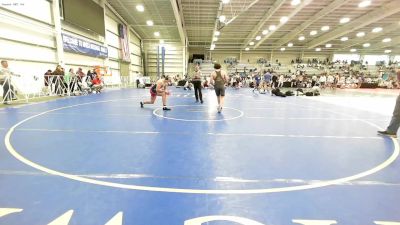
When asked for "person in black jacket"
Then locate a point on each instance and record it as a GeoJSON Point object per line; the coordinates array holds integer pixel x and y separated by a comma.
{"type": "Point", "coordinates": [274, 81]}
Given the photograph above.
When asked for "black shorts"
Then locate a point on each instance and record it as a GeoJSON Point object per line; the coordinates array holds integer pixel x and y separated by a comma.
{"type": "Point", "coordinates": [219, 91]}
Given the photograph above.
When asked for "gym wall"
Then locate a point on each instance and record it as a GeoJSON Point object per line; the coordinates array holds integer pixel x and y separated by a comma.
{"type": "Point", "coordinates": [135, 46]}
{"type": "Point", "coordinates": [174, 58]}
{"type": "Point", "coordinates": [28, 42]}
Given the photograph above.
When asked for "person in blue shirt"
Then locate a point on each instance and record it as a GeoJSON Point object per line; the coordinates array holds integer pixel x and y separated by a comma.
{"type": "Point", "coordinates": [257, 78]}
{"type": "Point", "coordinates": [267, 77]}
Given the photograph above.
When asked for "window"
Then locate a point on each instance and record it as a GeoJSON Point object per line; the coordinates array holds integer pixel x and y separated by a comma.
{"type": "Point", "coordinates": [61, 7]}
{"type": "Point", "coordinates": [347, 57]}
{"type": "Point", "coordinates": [376, 59]}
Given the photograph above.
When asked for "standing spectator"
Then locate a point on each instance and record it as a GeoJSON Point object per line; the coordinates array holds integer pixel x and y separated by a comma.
{"type": "Point", "coordinates": [80, 73]}
{"type": "Point", "coordinates": [70, 79]}
{"type": "Point", "coordinates": [257, 78]}
{"type": "Point", "coordinates": [300, 80]}
{"type": "Point", "coordinates": [293, 80]}
{"type": "Point", "coordinates": [274, 81]}
{"type": "Point", "coordinates": [336, 81]}
{"type": "Point", "coordinates": [330, 81]}
{"type": "Point", "coordinates": [5, 80]}
{"type": "Point", "coordinates": [58, 74]}
{"type": "Point", "coordinates": [280, 81]}
{"type": "Point", "coordinates": [89, 75]}
{"type": "Point", "coordinates": [267, 77]}
{"type": "Point", "coordinates": [137, 82]}
{"type": "Point", "coordinates": [47, 78]}
{"type": "Point", "coordinates": [47, 81]}
{"type": "Point", "coordinates": [322, 81]}
{"type": "Point", "coordinates": [394, 125]}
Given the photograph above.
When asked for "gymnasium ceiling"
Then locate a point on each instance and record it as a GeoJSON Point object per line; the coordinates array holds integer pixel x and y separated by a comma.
{"type": "Point", "coordinates": [247, 19]}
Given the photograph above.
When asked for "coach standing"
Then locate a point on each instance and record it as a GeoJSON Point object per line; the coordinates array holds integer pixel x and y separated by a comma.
{"type": "Point", "coordinates": [394, 125]}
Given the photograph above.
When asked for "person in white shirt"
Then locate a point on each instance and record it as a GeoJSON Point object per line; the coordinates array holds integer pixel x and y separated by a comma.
{"type": "Point", "coordinates": [280, 81]}
{"type": "Point", "coordinates": [5, 80]}
{"type": "Point", "coordinates": [322, 81]}
{"type": "Point", "coordinates": [293, 80]}
{"type": "Point", "coordinates": [313, 80]}
{"type": "Point", "coordinates": [330, 80]}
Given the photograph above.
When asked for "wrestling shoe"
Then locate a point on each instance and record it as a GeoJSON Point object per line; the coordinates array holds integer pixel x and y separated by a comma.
{"type": "Point", "coordinates": [386, 133]}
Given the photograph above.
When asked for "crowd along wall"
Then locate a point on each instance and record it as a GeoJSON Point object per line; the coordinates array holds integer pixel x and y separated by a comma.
{"type": "Point", "coordinates": [28, 40]}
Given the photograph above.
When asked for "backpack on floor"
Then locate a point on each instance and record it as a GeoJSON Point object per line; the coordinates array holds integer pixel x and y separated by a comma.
{"type": "Point", "coordinates": [309, 93]}
{"type": "Point", "coordinates": [289, 93]}
{"type": "Point", "coordinates": [278, 92]}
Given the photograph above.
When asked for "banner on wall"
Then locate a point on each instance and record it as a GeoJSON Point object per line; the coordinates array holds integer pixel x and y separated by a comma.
{"type": "Point", "coordinates": [123, 38]}
{"type": "Point", "coordinates": [80, 46]}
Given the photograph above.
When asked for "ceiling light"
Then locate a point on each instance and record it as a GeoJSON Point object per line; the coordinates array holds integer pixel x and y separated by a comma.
{"type": "Point", "coordinates": [377, 29]}
{"type": "Point", "coordinates": [314, 32]}
{"type": "Point", "coordinates": [353, 50]}
{"type": "Point", "coordinates": [388, 51]}
{"type": "Point", "coordinates": [345, 20]}
{"type": "Point", "coordinates": [318, 49]}
{"type": "Point", "coordinates": [157, 34]}
{"type": "Point", "coordinates": [360, 34]}
{"type": "Point", "coordinates": [328, 45]}
{"type": "Point", "coordinates": [295, 2]}
{"type": "Point", "coordinates": [387, 40]}
{"type": "Point", "coordinates": [272, 27]}
{"type": "Point", "coordinates": [251, 43]}
{"type": "Point", "coordinates": [258, 38]}
{"type": "Point", "coordinates": [161, 41]}
{"type": "Point", "coordinates": [364, 3]}
{"type": "Point", "coordinates": [325, 28]}
{"type": "Point", "coordinates": [290, 44]}
{"type": "Point", "coordinates": [225, 1]}
{"type": "Point", "coordinates": [302, 38]}
{"type": "Point", "coordinates": [215, 39]}
{"type": "Point", "coordinates": [265, 32]}
{"type": "Point", "coordinates": [150, 23]}
{"type": "Point", "coordinates": [366, 45]}
{"type": "Point", "coordinates": [222, 18]}
{"type": "Point", "coordinates": [217, 33]}
{"type": "Point", "coordinates": [284, 19]}
{"type": "Point", "coordinates": [247, 49]}
{"type": "Point", "coordinates": [140, 8]}
{"type": "Point", "coordinates": [283, 49]}
{"type": "Point", "coordinates": [344, 38]}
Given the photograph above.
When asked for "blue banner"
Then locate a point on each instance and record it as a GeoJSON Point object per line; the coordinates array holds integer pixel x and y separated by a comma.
{"type": "Point", "coordinates": [76, 45]}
